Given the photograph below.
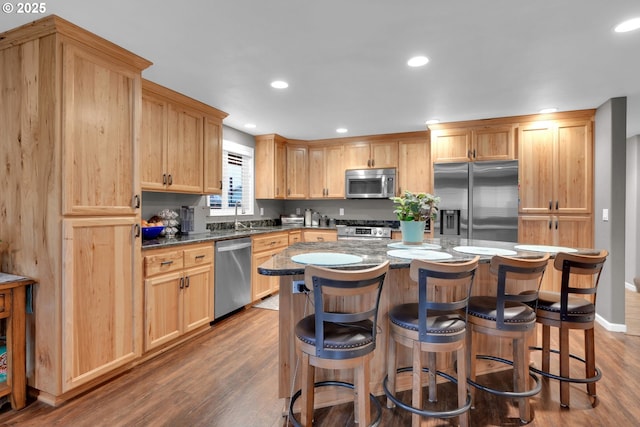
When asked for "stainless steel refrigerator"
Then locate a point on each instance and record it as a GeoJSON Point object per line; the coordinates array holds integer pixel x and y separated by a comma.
{"type": "Point", "coordinates": [478, 200]}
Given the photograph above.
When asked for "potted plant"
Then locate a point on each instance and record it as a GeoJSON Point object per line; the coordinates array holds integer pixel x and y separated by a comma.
{"type": "Point", "coordinates": [413, 210]}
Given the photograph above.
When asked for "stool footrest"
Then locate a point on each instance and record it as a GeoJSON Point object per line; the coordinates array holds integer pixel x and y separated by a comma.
{"type": "Point", "coordinates": [298, 393]}
{"type": "Point", "coordinates": [511, 394]}
{"type": "Point", "coordinates": [425, 412]}
{"type": "Point", "coordinates": [593, 379]}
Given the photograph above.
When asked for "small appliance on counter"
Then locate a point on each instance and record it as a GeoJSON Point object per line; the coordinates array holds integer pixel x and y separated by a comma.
{"type": "Point", "coordinates": [307, 217]}
{"type": "Point", "coordinates": [292, 220]}
{"type": "Point", "coordinates": [192, 219]}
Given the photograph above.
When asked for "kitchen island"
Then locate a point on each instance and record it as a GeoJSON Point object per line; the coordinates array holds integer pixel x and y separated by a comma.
{"type": "Point", "coordinates": [398, 289]}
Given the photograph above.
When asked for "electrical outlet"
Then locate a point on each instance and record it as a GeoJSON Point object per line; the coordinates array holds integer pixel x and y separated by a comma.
{"type": "Point", "coordinates": [341, 211]}
{"type": "Point", "coordinates": [299, 287]}
{"type": "Point", "coordinates": [261, 211]}
{"type": "Point", "coordinates": [297, 211]}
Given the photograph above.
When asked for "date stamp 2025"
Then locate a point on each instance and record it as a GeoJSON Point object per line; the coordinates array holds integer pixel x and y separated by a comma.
{"type": "Point", "coordinates": [24, 8]}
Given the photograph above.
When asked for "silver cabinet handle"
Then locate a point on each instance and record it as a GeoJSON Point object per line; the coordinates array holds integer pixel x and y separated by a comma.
{"type": "Point", "coordinates": [170, 179]}
{"type": "Point", "coordinates": [164, 179]}
{"type": "Point", "coordinates": [136, 201]}
{"type": "Point", "coordinates": [182, 283]}
{"type": "Point", "coordinates": [166, 262]}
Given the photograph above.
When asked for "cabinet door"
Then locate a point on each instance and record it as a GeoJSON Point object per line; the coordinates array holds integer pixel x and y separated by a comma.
{"type": "Point", "coordinates": [317, 171]}
{"type": "Point", "coordinates": [536, 168]}
{"type": "Point", "coordinates": [574, 166]}
{"type": "Point", "coordinates": [450, 145]}
{"type": "Point", "coordinates": [280, 170]}
{"type": "Point", "coordinates": [536, 229]}
{"type": "Point", "coordinates": [574, 231]}
{"type": "Point", "coordinates": [153, 144]}
{"type": "Point", "coordinates": [197, 297]}
{"type": "Point", "coordinates": [212, 156]}
{"type": "Point", "coordinates": [101, 297]}
{"type": "Point", "coordinates": [297, 172]}
{"type": "Point", "coordinates": [414, 166]}
{"type": "Point", "coordinates": [100, 101]}
{"type": "Point", "coordinates": [334, 171]}
{"type": "Point", "coordinates": [261, 285]}
{"type": "Point", "coordinates": [163, 309]}
{"type": "Point", "coordinates": [384, 154]}
{"type": "Point", "coordinates": [493, 143]}
{"type": "Point", "coordinates": [185, 150]}
{"type": "Point", "coordinates": [357, 155]}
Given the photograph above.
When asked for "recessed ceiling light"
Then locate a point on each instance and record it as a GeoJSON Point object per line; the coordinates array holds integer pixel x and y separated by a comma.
{"type": "Point", "coordinates": [626, 26]}
{"type": "Point", "coordinates": [279, 84]}
{"type": "Point", "coordinates": [417, 61]}
{"type": "Point", "coordinates": [431, 122]}
{"type": "Point", "coordinates": [548, 110]}
{"type": "Point", "coordinates": [342, 130]}
{"type": "Point", "coordinates": [250, 126]}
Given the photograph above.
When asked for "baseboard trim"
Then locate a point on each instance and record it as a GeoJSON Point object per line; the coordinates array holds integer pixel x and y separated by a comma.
{"type": "Point", "coordinates": [611, 327]}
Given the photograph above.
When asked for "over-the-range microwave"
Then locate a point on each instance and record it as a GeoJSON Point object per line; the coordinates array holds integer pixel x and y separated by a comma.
{"type": "Point", "coordinates": [370, 183]}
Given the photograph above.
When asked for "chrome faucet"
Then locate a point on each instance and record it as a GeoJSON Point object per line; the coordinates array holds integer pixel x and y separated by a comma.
{"type": "Point", "coordinates": [238, 224]}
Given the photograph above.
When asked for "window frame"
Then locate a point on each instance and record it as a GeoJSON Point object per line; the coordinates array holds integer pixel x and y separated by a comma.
{"type": "Point", "coordinates": [248, 154]}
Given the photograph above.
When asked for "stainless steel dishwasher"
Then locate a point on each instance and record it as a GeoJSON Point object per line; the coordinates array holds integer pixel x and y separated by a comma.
{"type": "Point", "coordinates": [232, 276]}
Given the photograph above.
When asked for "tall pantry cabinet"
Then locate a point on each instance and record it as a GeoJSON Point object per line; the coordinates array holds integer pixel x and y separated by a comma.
{"type": "Point", "coordinates": [71, 199]}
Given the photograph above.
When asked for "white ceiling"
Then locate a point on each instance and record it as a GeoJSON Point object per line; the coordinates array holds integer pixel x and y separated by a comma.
{"type": "Point", "coordinates": [345, 60]}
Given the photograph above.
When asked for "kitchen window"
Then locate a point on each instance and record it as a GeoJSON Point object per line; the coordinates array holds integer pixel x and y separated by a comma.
{"type": "Point", "coordinates": [237, 181]}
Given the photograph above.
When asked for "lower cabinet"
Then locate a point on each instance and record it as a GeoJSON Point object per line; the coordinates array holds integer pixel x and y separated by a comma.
{"type": "Point", "coordinates": [573, 231]}
{"type": "Point", "coordinates": [319, 235]}
{"type": "Point", "coordinates": [178, 285]}
{"type": "Point", "coordinates": [101, 298]}
{"type": "Point", "coordinates": [264, 247]}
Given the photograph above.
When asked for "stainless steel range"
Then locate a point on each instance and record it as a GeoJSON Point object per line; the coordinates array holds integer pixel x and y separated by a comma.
{"type": "Point", "coordinates": [358, 232]}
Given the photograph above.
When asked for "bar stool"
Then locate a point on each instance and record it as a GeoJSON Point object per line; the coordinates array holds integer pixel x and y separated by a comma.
{"type": "Point", "coordinates": [567, 310]}
{"type": "Point", "coordinates": [341, 334]}
{"type": "Point", "coordinates": [436, 323]}
{"type": "Point", "coordinates": [507, 315]}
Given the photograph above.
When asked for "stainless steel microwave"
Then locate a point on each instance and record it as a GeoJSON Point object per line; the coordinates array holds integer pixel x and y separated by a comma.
{"type": "Point", "coordinates": [370, 183]}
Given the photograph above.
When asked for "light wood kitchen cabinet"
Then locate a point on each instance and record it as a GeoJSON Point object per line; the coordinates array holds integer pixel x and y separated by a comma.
{"type": "Point", "coordinates": [173, 143]}
{"type": "Point", "coordinates": [297, 172]}
{"type": "Point", "coordinates": [469, 142]}
{"type": "Point", "coordinates": [572, 231]}
{"type": "Point", "coordinates": [101, 297]}
{"type": "Point", "coordinates": [319, 235]}
{"type": "Point", "coordinates": [212, 155]}
{"type": "Point", "coordinates": [263, 248]}
{"type": "Point", "coordinates": [70, 127]}
{"type": "Point", "coordinates": [556, 170]}
{"type": "Point", "coordinates": [270, 167]}
{"type": "Point", "coordinates": [363, 155]}
{"type": "Point", "coordinates": [414, 166]}
{"type": "Point", "coordinates": [326, 172]}
{"type": "Point", "coordinates": [295, 236]}
{"type": "Point", "coordinates": [178, 292]}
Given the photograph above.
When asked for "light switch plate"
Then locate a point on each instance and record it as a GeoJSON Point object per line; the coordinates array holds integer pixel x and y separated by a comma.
{"type": "Point", "coordinates": [341, 211]}
{"type": "Point", "coordinates": [605, 214]}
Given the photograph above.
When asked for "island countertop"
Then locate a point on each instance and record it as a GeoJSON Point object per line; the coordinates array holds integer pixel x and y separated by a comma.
{"type": "Point", "coordinates": [374, 252]}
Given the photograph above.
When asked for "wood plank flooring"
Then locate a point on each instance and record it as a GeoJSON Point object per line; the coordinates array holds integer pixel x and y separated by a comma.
{"type": "Point", "coordinates": [227, 377]}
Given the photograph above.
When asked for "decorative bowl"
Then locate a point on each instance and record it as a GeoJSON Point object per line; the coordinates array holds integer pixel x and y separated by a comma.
{"type": "Point", "coordinates": [151, 232]}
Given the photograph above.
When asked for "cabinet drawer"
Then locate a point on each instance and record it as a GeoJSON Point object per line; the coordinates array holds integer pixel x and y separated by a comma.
{"type": "Point", "coordinates": [198, 256]}
{"type": "Point", "coordinates": [271, 241]}
{"type": "Point", "coordinates": [162, 262]}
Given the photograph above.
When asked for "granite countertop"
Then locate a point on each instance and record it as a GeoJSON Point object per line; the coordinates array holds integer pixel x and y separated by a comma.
{"type": "Point", "coordinates": [216, 235]}
{"type": "Point", "coordinates": [375, 252]}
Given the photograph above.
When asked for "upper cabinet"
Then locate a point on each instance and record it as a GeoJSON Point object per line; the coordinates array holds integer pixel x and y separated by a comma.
{"type": "Point", "coordinates": [469, 142]}
{"type": "Point", "coordinates": [178, 136]}
{"type": "Point", "coordinates": [363, 155]}
{"type": "Point", "coordinates": [326, 172]}
{"type": "Point", "coordinates": [297, 172]}
{"type": "Point", "coordinates": [271, 167]}
{"type": "Point", "coordinates": [414, 166]}
{"type": "Point", "coordinates": [556, 171]}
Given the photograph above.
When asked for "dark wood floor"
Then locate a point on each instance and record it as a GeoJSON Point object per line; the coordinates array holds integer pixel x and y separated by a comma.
{"type": "Point", "coordinates": [228, 377]}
